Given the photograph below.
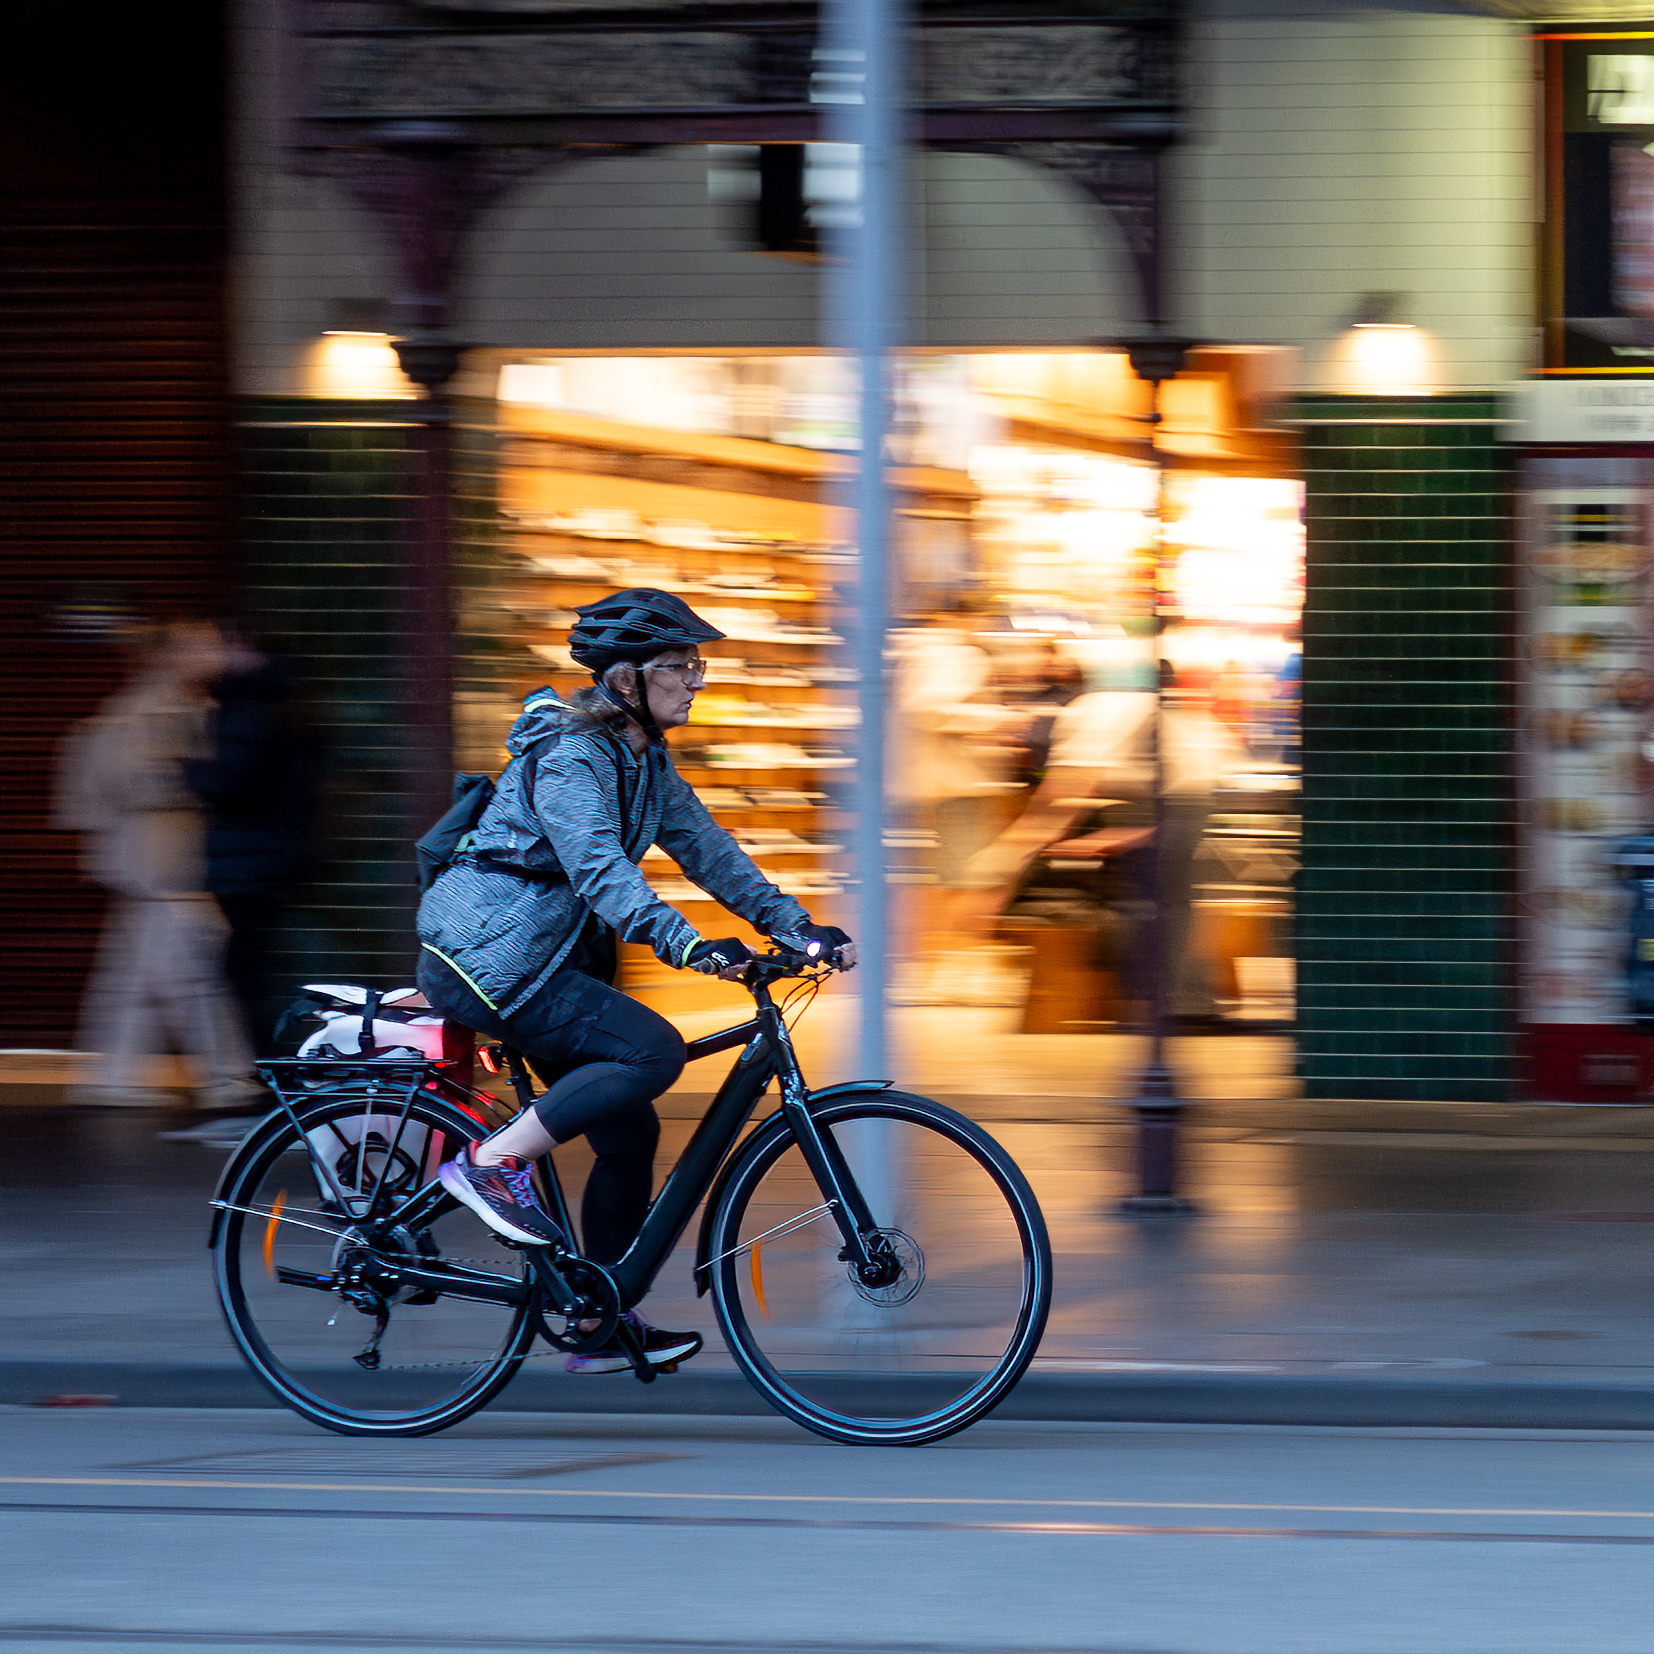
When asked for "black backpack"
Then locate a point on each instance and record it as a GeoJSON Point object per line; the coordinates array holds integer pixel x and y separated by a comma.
{"type": "Point", "coordinates": [442, 844]}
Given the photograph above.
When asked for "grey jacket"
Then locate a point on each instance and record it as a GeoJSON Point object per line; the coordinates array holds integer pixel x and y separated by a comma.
{"type": "Point", "coordinates": [573, 815]}
{"type": "Point", "coordinates": [120, 781]}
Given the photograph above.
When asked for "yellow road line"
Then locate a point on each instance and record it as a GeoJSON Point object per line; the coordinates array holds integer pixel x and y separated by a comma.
{"type": "Point", "coordinates": [563, 1492]}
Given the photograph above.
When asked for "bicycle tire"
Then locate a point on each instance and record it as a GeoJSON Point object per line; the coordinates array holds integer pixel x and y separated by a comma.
{"type": "Point", "coordinates": [838, 1400]}
{"type": "Point", "coordinates": [247, 1306]}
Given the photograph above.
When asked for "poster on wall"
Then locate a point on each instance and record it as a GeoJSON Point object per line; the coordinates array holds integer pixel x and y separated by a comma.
{"type": "Point", "coordinates": [1587, 741]}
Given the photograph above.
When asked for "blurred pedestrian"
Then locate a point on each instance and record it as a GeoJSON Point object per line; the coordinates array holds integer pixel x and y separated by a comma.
{"type": "Point", "coordinates": [1053, 683]}
{"type": "Point", "coordinates": [1102, 763]}
{"type": "Point", "coordinates": [947, 772]}
{"type": "Point", "coordinates": [158, 983]}
{"type": "Point", "coordinates": [257, 782]}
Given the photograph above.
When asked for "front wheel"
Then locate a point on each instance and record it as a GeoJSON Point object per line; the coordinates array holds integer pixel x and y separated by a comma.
{"type": "Point", "coordinates": [921, 1353]}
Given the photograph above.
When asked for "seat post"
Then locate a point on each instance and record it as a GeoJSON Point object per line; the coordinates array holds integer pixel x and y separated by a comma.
{"type": "Point", "coordinates": [521, 1081]}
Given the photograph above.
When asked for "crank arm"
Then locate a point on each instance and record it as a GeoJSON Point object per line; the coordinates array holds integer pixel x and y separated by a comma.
{"type": "Point", "coordinates": [630, 1341]}
{"type": "Point", "coordinates": [565, 1300]}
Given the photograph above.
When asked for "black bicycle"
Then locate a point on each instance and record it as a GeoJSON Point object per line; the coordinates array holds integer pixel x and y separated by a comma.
{"type": "Point", "coordinates": [879, 1266]}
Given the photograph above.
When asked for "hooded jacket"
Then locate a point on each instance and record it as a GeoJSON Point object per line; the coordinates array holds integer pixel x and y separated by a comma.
{"type": "Point", "coordinates": [120, 781]}
{"type": "Point", "coordinates": [572, 816]}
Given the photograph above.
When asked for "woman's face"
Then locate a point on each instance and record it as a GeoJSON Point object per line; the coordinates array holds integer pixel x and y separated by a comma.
{"type": "Point", "coordinates": [671, 680]}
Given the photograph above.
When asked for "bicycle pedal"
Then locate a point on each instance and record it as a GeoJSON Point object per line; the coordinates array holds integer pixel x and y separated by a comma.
{"type": "Point", "coordinates": [632, 1346]}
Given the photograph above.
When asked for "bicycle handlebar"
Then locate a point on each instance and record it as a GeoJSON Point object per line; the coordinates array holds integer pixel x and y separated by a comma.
{"type": "Point", "coordinates": [781, 962]}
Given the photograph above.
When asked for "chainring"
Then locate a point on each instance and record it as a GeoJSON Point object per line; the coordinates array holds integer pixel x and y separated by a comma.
{"type": "Point", "coordinates": [602, 1298]}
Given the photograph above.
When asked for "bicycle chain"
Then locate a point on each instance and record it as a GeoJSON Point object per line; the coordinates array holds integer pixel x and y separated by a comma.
{"type": "Point", "coordinates": [480, 1361]}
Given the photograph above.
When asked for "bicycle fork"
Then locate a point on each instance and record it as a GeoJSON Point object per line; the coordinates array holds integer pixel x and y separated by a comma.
{"type": "Point", "coordinates": [870, 1262]}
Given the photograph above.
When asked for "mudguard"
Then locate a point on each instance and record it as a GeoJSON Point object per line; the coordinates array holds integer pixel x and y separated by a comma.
{"type": "Point", "coordinates": [703, 1240]}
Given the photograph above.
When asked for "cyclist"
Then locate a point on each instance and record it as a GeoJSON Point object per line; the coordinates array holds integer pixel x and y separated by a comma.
{"type": "Point", "coordinates": [518, 935]}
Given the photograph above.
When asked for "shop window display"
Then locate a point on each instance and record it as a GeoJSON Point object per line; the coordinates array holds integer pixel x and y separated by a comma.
{"type": "Point", "coordinates": [1035, 540]}
{"type": "Point", "coordinates": [1587, 779]}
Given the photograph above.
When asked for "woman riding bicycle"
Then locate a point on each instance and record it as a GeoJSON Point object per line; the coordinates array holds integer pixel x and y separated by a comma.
{"type": "Point", "coordinates": [518, 935]}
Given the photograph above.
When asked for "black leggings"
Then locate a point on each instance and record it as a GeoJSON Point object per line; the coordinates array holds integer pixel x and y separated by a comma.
{"type": "Point", "coordinates": [619, 1056]}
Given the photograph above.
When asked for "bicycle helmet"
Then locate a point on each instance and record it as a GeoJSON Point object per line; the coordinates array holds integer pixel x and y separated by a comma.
{"type": "Point", "coordinates": [635, 625]}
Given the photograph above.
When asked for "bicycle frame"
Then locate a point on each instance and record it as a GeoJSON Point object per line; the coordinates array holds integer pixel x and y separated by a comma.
{"type": "Point", "coordinates": [767, 1054]}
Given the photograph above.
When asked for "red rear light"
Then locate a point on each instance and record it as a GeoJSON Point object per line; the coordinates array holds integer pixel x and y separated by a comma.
{"type": "Point", "coordinates": [485, 1055]}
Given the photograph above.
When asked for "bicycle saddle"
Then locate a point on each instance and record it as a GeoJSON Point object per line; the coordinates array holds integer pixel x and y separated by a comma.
{"type": "Point", "coordinates": [350, 993]}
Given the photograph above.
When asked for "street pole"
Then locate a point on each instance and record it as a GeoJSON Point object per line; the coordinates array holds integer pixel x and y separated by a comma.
{"type": "Point", "coordinates": [430, 360]}
{"type": "Point", "coordinates": [860, 77]}
{"type": "Point", "coordinates": [1157, 1103]}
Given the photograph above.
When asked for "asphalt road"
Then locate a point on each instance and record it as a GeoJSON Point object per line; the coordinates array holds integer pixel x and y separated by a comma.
{"type": "Point", "coordinates": [144, 1528]}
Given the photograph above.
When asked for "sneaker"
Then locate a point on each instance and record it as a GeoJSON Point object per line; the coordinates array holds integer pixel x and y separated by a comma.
{"type": "Point", "coordinates": [502, 1196]}
{"type": "Point", "coordinates": [664, 1349]}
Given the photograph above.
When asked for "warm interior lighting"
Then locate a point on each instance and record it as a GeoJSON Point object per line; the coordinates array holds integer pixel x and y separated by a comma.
{"type": "Point", "coordinates": [1385, 359]}
{"type": "Point", "coordinates": [358, 366]}
{"type": "Point", "coordinates": [1242, 556]}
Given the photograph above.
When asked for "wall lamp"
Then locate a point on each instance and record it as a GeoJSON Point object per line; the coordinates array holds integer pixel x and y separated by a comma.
{"type": "Point", "coordinates": [1381, 353]}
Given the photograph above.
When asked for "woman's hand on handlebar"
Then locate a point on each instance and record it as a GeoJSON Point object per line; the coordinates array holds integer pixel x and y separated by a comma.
{"type": "Point", "coordinates": [727, 958]}
{"type": "Point", "coordinates": [822, 945]}
{"type": "Point", "coordinates": [810, 946]}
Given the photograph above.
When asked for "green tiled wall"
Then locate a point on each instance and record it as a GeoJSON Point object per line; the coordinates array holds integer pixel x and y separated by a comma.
{"type": "Point", "coordinates": [325, 489]}
{"type": "Point", "coordinates": [1405, 940]}
{"type": "Point", "coordinates": [485, 665]}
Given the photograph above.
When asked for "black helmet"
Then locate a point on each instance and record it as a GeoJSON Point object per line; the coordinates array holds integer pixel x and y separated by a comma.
{"type": "Point", "coordinates": [635, 625]}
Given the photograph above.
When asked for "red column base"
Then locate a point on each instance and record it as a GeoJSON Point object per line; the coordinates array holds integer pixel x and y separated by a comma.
{"type": "Point", "coordinates": [1589, 1063]}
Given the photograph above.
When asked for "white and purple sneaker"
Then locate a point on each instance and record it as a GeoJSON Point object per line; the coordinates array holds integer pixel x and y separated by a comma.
{"type": "Point", "coordinates": [503, 1196]}
{"type": "Point", "coordinates": [664, 1349]}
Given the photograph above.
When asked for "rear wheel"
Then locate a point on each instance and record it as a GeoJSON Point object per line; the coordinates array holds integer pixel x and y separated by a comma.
{"type": "Point", "coordinates": [950, 1325]}
{"type": "Point", "coordinates": [311, 1293]}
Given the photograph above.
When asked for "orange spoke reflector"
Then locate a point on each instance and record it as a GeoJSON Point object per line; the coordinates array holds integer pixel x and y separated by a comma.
{"type": "Point", "coordinates": [757, 1268]}
{"type": "Point", "coordinates": [270, 1233]}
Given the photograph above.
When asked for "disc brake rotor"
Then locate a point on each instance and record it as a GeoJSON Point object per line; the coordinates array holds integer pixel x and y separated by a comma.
{"type": "Point", "coordinates": [901, 1249]}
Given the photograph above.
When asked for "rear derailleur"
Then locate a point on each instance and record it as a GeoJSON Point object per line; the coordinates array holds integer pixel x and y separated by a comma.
{"type": "Point", "coordinates": [352, 1283]}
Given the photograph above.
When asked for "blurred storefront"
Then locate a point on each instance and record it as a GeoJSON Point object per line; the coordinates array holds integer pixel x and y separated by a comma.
{"type": "Point", "coordinates": [1031, 555]}
{"type": "Point", "coordinates": [609, 234]}
{"type": "Point", "coordinates": [1585, 429]}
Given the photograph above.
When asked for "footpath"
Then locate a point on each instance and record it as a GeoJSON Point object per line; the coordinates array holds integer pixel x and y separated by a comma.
{"type": "Point", "coordinates": [1357, 1264]}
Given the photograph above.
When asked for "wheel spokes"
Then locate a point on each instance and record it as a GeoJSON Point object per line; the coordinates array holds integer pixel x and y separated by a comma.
{"type": "Point", "coordinates": [443, 1302]}
{"type": "Point", "coordinates": [944, 1308]}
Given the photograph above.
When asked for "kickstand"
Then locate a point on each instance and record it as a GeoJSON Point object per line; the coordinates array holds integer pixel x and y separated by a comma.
{"type": "Point", "coordinates": [631, 1343]}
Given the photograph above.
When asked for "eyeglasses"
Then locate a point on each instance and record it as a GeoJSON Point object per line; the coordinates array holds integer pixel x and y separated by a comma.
{"type": "Point", "coordinates": [692, 671]}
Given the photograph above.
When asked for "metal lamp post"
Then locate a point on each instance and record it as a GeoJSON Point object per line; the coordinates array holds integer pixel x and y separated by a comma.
{"type": "Point", "coordinates": [430, 360]}
{"type": "Point", "coordinates": [860, 77]}
{"type": "Point", "coordinates": [1156, 1102]}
